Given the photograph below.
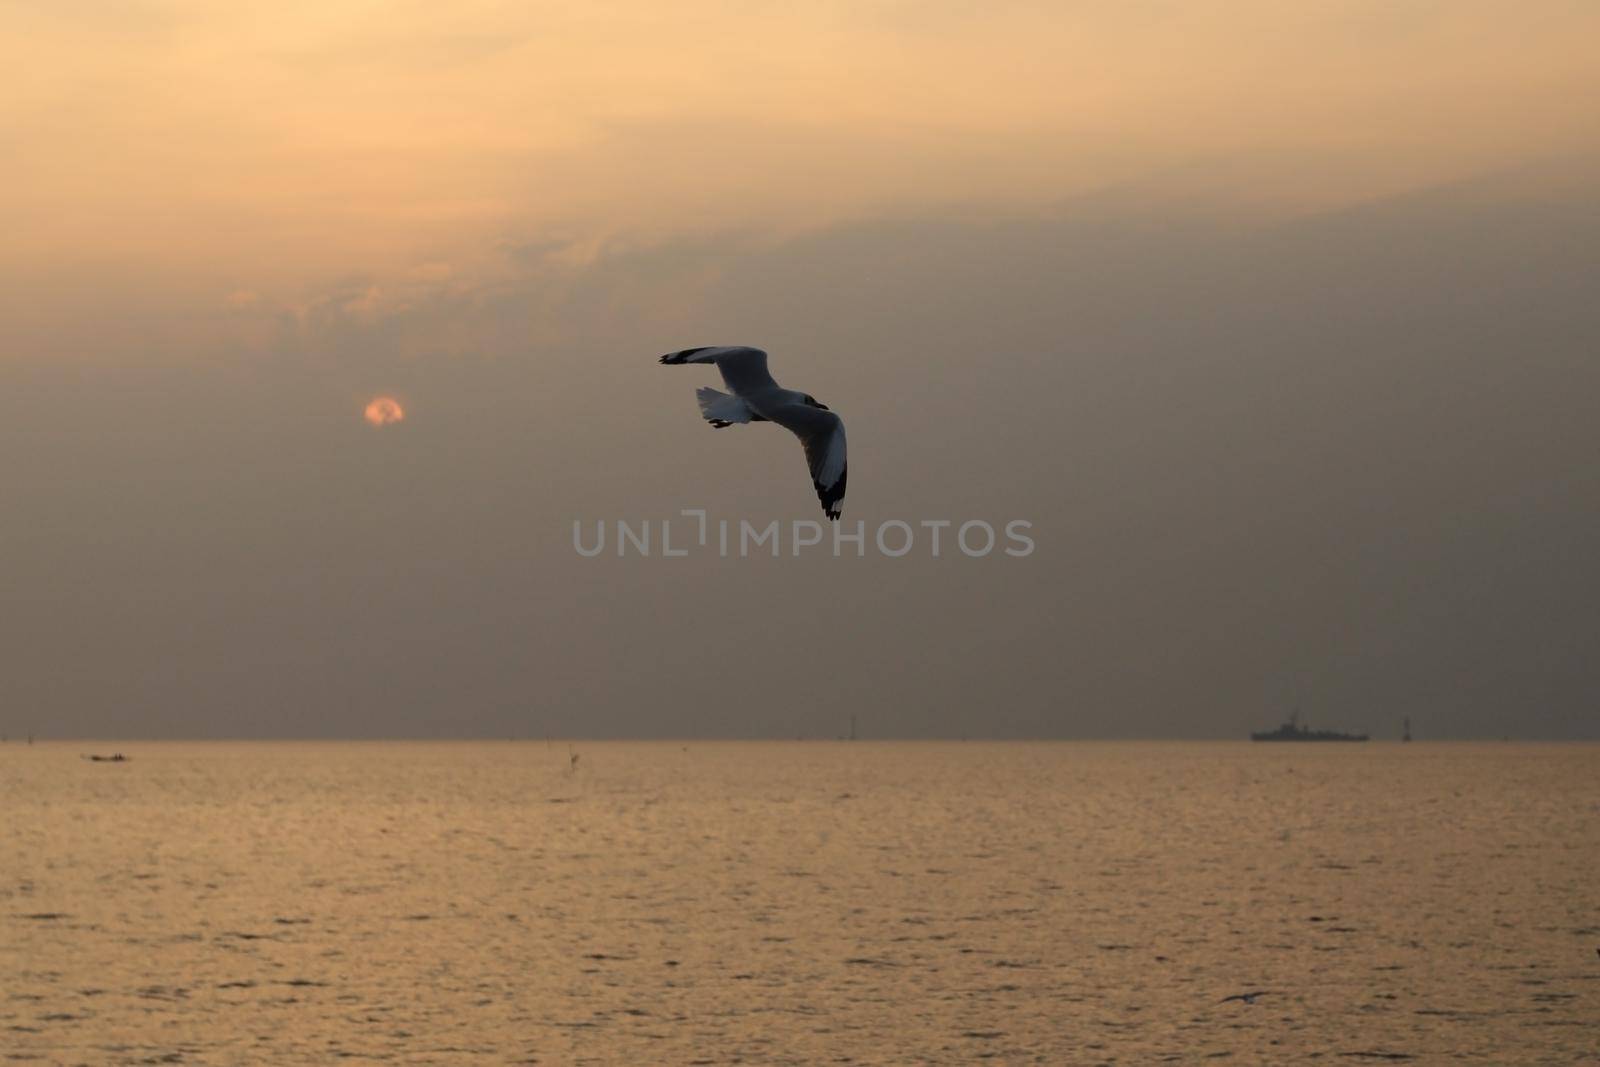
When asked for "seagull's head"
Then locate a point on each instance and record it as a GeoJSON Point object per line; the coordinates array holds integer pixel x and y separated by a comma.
{"type": "Point", "coordinates": [813, 402]}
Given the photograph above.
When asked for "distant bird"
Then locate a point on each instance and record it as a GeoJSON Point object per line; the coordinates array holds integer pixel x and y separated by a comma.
{"type": "Point", "coordinates": [1248, 998]}
{"type": "Point", "coordinates": [757, 398]}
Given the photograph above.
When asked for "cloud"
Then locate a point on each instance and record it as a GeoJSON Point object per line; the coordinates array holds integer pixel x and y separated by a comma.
{"type": "Point", "coordinates": [329, 141]}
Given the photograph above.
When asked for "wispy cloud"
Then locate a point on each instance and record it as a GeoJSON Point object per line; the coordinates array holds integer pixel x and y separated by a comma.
{"type": "Point", "coordinates": [334, 139]}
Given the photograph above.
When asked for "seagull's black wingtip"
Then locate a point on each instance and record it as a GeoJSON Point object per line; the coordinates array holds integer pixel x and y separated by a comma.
{"type": "Point", "coordinates": [832, 496]}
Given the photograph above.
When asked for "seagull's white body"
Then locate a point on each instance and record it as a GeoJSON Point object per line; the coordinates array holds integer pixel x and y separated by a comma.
{"type": "Point", "coordinates": [757, 398]}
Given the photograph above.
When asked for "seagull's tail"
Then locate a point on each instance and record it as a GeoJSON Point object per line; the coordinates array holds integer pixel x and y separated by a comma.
{"type": "Point", "coordinates": [720, 409]}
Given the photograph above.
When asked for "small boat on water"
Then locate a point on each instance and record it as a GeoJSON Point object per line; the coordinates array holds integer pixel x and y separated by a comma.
{"type": "Point", "coordinates": [1294, 730]}
{"type": "Point", "coordinates": [115, 757]}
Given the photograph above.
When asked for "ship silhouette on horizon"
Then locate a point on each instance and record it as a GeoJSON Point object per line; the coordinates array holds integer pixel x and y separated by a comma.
{"type": "Point", "coordinates": [1294, 730]}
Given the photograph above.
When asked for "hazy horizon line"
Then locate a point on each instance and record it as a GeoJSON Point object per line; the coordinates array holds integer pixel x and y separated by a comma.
{"type": "Point", "coordinates": [661, 739]}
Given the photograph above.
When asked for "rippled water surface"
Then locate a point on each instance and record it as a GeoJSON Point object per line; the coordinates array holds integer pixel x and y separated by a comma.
{"type": "Point", "coordinates": [800, 903]}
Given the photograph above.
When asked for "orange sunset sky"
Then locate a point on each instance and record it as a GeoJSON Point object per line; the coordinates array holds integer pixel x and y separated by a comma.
{"type": "Point", "coordinates": [1275, 318]}
{"type": "Point", "coordinates": [207, 160]}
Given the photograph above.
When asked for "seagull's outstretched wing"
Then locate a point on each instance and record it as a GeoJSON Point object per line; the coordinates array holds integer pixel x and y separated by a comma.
{"type": "Point", "coordinates": [822, 434]}
{"type": "Point", "coordinates": [744, 369]}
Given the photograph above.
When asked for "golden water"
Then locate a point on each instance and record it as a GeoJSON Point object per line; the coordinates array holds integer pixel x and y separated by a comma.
{"type": "Point", "coordinates": [804, 903]}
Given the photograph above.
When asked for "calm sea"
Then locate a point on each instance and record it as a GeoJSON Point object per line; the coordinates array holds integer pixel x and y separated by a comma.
{"type": "Point", "coordinates": [804, 903]}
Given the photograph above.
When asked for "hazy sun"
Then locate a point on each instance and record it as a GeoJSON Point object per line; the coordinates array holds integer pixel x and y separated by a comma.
{"type": "Point", "coordinates": [383, 410]}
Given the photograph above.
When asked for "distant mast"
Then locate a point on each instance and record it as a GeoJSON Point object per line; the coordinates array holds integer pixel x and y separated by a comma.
{"type": "Point", "coordinates": [1405, 729]}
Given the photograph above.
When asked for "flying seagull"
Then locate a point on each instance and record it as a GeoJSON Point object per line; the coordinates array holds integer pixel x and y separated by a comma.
{"type": "Point", "coordinates": [1248, 998]}
{"type": "Point", "coordinates": [757, 398]}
